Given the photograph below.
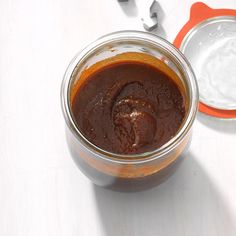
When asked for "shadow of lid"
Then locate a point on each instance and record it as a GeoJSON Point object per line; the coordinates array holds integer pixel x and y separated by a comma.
{"type": "Point", "coordinates": [221, 125]}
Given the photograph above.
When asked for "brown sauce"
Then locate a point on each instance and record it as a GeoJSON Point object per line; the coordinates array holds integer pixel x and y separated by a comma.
{"type": "Point", "coordinates": [128, 106]}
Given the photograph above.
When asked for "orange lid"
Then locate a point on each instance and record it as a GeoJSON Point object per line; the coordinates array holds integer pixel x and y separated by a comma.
{"type": "Point", "coordinates": [199, 30]}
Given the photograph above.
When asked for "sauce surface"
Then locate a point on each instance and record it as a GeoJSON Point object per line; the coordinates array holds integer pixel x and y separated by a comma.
{"type": "Point", "coordinates": [128, 107]}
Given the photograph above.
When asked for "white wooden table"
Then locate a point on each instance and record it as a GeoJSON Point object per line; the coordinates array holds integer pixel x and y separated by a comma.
{"type": "Point", "coordinates": [42, 193]}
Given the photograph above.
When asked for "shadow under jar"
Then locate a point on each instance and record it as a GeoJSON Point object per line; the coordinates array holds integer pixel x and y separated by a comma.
{"type": "Point", "coordinates": [135, 164]}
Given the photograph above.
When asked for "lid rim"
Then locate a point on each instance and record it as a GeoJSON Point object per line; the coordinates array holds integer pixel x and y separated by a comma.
{"type": "Point", "coordinates": [181, 41]}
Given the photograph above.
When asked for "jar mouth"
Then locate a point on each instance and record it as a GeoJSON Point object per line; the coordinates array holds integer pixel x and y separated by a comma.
{"type": "Point", "coordinates": [157, 43]}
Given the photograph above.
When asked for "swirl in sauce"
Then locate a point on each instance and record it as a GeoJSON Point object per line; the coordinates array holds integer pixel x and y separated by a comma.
{"type": "Point", "coordinates": [128, 107]}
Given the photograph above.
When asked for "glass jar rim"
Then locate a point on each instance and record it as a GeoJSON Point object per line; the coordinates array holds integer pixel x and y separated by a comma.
{"type": "Point", "coordinates": [122, 36]}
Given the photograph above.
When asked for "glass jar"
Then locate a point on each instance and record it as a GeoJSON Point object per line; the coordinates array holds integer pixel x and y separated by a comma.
{"type": "Point", "coordinates": [139, 171]}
